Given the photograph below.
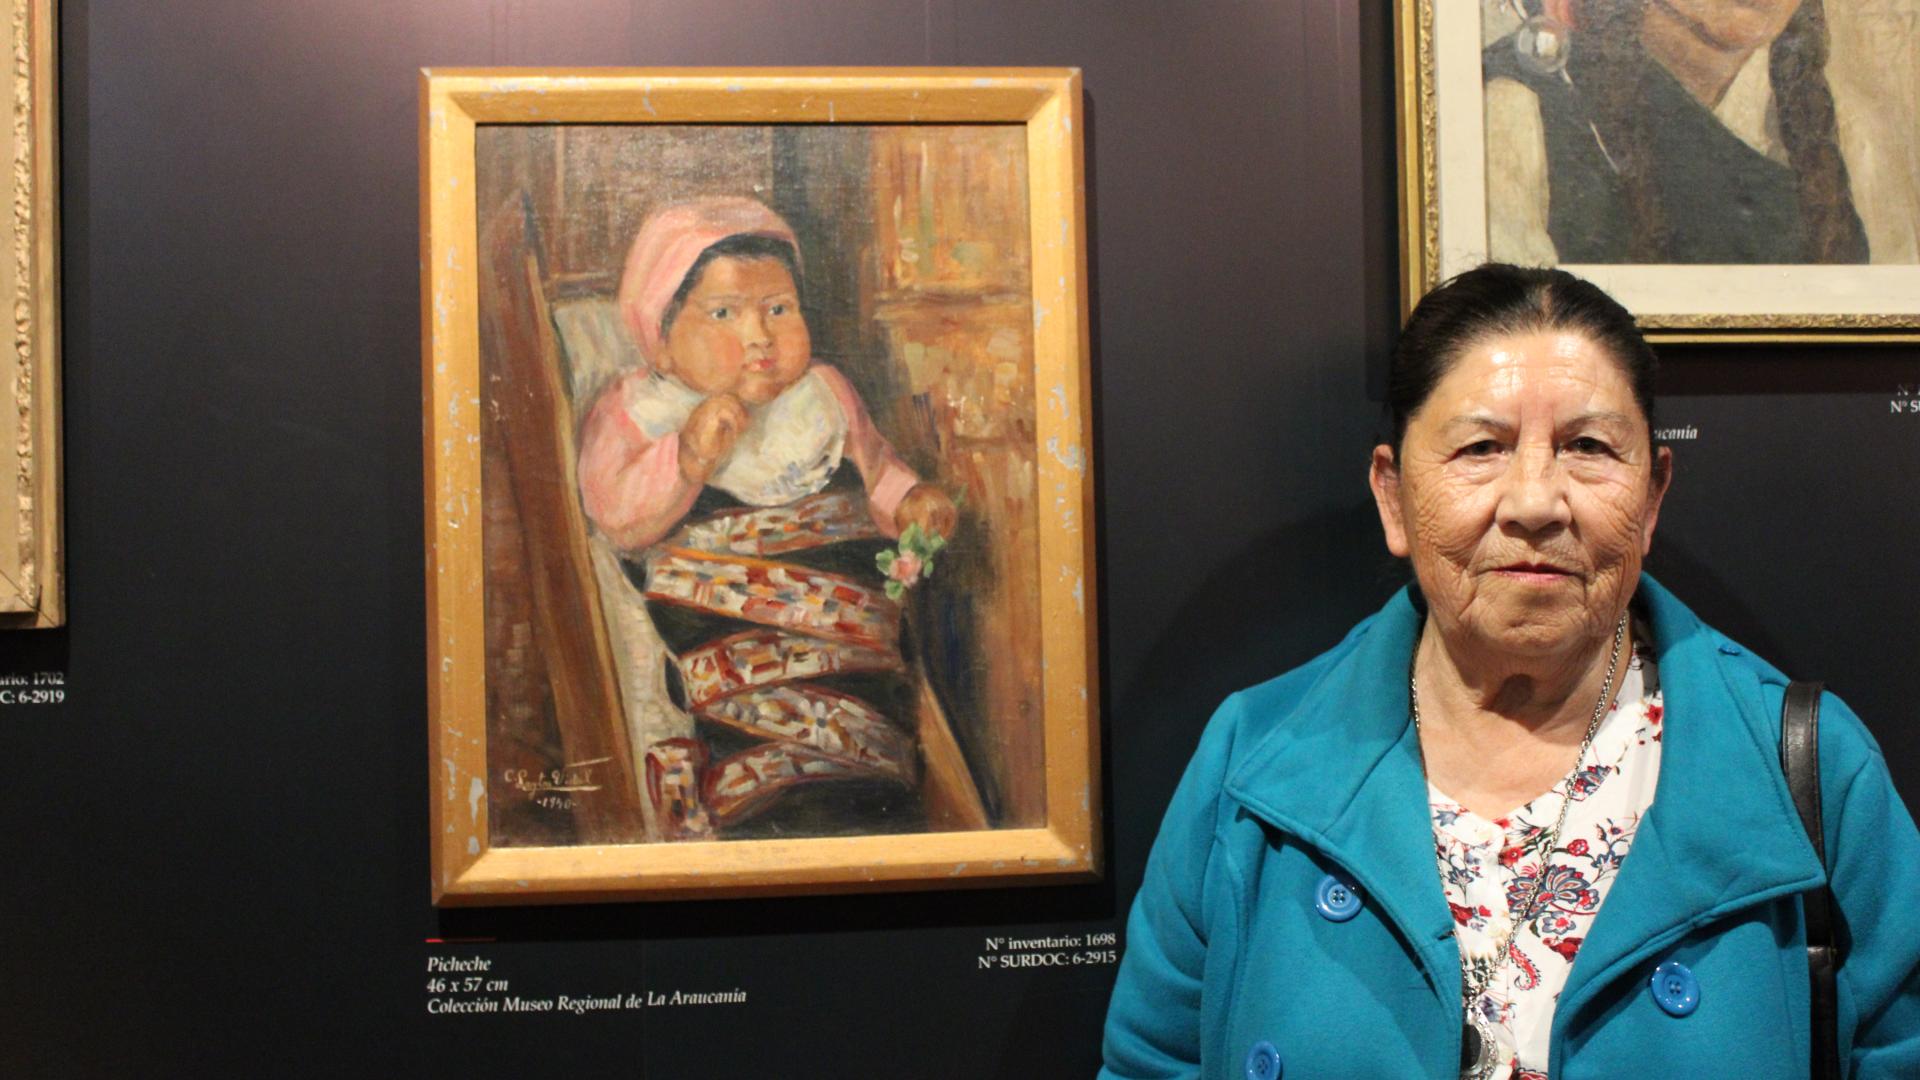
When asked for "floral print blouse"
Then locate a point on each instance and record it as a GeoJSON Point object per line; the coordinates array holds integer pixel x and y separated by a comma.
{"type": "Point", "coordinates": [1487, 866]}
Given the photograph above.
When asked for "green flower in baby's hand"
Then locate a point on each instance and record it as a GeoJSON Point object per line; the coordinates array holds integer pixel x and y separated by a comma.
{"type": "Point", "coordinates": [913, 560]}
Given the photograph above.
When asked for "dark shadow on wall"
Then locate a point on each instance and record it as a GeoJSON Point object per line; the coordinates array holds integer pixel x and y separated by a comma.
{"type": "Point", "coordinates": [1288, 595]}
{"type": "Point", "coordinates": [1380, 155]}
{"type": "Point", "coordinates": [1698, 586]}
{"type": "Point", "coordinates": [1747, 370]}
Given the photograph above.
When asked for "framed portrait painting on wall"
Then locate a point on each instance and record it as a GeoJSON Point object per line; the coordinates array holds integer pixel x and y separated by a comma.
{"type": "Point", "coordinates": [32, 570]}
{"type": "Point", "coordinates": [758, 493]}
{"type": "Point", "coordinates": [1728, 171]}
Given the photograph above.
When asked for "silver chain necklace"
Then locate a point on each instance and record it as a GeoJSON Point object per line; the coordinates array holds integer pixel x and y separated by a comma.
{"type": "Point", "coordinates": [1479, 1053]}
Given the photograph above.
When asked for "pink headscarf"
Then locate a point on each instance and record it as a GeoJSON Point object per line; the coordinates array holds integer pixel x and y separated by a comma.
{"type": "Point", "coordinates": [669, 242]}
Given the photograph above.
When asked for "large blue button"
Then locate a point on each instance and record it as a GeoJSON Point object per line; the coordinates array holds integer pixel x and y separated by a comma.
{"type": "Point", "coordinates": [1263, 1062]}
{"type": "Point", "coordinates": [1337, 898]}
{"type": "Point", "coordinates": [1675, 989]}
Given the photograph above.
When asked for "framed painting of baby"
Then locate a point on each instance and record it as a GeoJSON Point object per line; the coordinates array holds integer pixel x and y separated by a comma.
{"type": "Point", "coordinates": [757, 482]}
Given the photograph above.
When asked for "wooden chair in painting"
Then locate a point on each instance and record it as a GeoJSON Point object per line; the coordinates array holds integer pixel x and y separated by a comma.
{"type": "Point", "coordinates": [743, 726]}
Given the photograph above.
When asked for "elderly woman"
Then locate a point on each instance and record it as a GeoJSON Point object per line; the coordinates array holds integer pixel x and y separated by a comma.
{"type": "Point", "coordinates": [1529, 819]}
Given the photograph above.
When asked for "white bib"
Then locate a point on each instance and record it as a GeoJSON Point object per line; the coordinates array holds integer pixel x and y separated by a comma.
{"type": "Point", "coordinates": [790, 449]}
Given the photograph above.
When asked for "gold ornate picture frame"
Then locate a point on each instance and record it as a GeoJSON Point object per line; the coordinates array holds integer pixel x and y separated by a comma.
{"type": "Point", "coordinates": [851, 645]}
{"type": "Point", "coordinates": [32, 577]}
{"type": "Point", "coordinates": [1562, 132]}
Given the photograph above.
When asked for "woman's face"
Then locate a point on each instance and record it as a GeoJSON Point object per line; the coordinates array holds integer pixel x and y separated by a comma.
{"type": "Point", "coordinates": [1526, 493]}
{"type": "Point", "coordinates": [1730, 25]}
{"type": "Point", "coordinates": [739, 332]}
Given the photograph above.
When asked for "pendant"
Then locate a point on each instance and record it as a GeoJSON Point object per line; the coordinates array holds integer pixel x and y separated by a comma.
{"type": "Point", "coordinates": [1479, 1053]}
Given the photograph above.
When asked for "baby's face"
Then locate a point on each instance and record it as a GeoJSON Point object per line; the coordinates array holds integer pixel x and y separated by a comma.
{"type": "Point", "coordinates": [740, 332]}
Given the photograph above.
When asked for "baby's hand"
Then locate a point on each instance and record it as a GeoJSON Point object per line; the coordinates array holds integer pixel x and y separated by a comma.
{"type": "Point", "coordinates": [709, 434]}
{"type": "Point", "coordinates": [928, 507]}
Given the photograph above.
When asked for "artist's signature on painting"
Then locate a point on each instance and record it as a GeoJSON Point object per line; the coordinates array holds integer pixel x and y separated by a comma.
{"type": "Point", "coordinates": [554, 788]}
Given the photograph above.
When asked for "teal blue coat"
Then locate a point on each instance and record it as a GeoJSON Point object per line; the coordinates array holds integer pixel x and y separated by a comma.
{"type": "Point", "coordinates": [1319, 771]}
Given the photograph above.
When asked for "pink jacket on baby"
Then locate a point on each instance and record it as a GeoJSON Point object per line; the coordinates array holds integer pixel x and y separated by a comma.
{"type": "Point", "coordinates": [634, 491]}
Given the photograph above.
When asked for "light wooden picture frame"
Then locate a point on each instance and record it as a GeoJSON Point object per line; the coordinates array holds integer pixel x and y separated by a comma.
{"type": "Point", "coordinates": [875, 670]}
{"type": "Point", "coordinates": [1585, 134]}
{"type": "Point", "coordinates": [32, 571]}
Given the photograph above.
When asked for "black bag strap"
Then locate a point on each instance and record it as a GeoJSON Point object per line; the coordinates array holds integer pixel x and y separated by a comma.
{"type": "Point", "coordinates": [1800, 760]}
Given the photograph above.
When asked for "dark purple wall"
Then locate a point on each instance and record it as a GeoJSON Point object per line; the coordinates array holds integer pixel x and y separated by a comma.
{"type": "Point", "coordinates": [216, 854]}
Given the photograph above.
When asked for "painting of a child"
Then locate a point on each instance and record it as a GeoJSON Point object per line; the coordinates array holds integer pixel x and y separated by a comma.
{"type": "Point", "coordinates": [749, 492]}
{"type": "Point", "coordinates": [732, 396]}
{"type": "Point", "coordinates": [760, 465]}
